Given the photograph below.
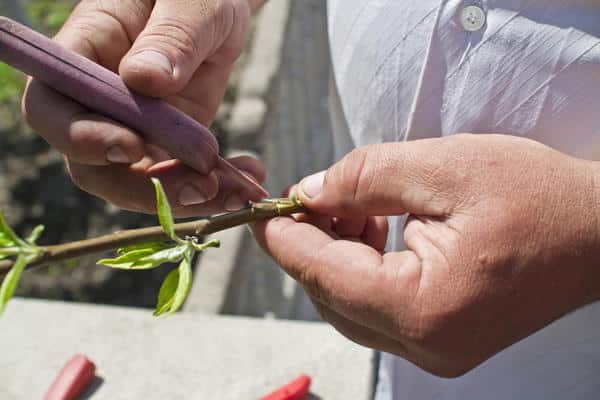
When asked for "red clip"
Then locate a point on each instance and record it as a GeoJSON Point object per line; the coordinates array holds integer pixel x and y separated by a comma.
{"type": "Point", "coordinates": [72, 379]}
{"type": "Point", "coordinates": [295, 390]}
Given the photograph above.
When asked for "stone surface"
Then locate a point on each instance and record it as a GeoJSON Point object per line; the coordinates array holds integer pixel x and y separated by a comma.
{"type": "Point", "coordinates": [296, 141]}
{"type": "Point", "coordinates": [265, 54]}
{"type": "Point", "coordinates": [184, 357]}
{"type": "Point", "coordinates": [213, 271]}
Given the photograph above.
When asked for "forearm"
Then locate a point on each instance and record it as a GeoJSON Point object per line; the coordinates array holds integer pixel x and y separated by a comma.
{"type": "Point", "coordinates": [594, 260]}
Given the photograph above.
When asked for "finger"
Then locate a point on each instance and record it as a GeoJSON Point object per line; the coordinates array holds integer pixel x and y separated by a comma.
{"type": "Point", "coordinates": [384, 179]}
{"type": "Point", "coordinates": [375, 233]}
{"type": "Point", "coordinates": [179, 36]}
{"type": "Point", "coordinates": [351, 278]}
{"type": "Point", "coordinates": [204, 93]}
{"type": "Point", "coordinates": [229, 196]}
{"type": "Point", "coordinates": [84, 137]}
{"type": "Point", "coordinates": [371, 231]}
{"type": "Point", "coordinates": [251, 165]}
{"type": "Point", "coordinates": [350, 227]}
{"type": "Point", "coordinates": [189, 193]}
{"type": "Point", "coordinates": [129, 186]}
{"type": "Point", "coordinates": [103, 31]}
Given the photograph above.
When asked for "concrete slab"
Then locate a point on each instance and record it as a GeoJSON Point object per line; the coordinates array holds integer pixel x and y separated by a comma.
{"type": "Point", "coordinates": [184, 357]}
{"type": "Point", "coordinates": [213, 272]}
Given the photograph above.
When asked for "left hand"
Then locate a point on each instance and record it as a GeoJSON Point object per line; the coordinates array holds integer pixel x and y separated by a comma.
{"type": "Point", "coordinates": [503, 238]}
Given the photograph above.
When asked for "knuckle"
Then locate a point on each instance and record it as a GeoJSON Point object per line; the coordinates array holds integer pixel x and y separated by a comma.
{"type": "Point", "coordinates": [353, 177]}
{"type": "Point", "coordinates": [176, 34]}
{"type": "Point", "coordinates": [349, 172]}
{"type": "Point", "coordinates": [231, 24]}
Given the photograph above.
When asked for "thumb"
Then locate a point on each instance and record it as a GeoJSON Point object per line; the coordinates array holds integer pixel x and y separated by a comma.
{"type": "Point", "coordinates": [382, 180]}
{"type": "Point", "coordinates": [179, 36]}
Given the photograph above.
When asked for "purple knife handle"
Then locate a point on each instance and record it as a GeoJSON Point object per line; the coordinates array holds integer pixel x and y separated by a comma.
{"type": "Point", "coordinates": [102, 90]}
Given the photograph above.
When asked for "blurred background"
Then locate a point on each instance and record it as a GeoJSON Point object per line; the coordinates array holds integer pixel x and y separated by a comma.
{"type": "Point", "coordinates": [285, 123]}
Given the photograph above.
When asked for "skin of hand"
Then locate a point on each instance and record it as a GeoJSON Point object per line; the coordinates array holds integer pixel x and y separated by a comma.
{"type": "Point", "coordinates": [502, 239]}
{"type": "Point", "coordinates": [179, 50]}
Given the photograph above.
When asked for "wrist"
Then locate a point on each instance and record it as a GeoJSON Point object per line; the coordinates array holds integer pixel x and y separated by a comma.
{"type": "Point", "coordinates": [594, 265]}
{"type": "Point", "coordinates": [591, 264]}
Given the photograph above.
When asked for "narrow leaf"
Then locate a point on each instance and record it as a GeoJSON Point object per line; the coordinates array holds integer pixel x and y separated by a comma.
{"type": "Point", "coordinates": [11, 281]}
{"type": "Point", "coordinates": [176, 288]}
{"type": "Point", "coordinates": [173, 254]}
{"type": "Point", "coordinates": [204, 246]}
{"type": "Point", "coordinates": [35, 234]}
{"type": "Point", "coordinates": [5, 241]}
{"type": "Point", "coordinates": [164, 210]}
{"type": "Point", "coordinates": [167, 292]}
{"type": "Point", "coordinates": [7, 233]}
{"type": "Point", "coordinates": [127, 260]}
{"type": "Point", "coordinates": [9, 252]}
{"type": "Point", "coordinates": [185, 283]}
{"type": "Point", "coordinates": [156, 246]}
{"type": "Point", "coordinates": [147, 258]}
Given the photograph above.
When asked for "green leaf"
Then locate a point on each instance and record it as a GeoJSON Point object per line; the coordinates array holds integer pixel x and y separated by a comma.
{"type": "Point", "coordinates": [35, 234]}
{"type": "Point", "coordinates": [167, 292]}
{"type": "Point", "coordinates": [204, 246]}
{"type": "Point", "coordinates": [7, 235]}
{"type": "Point", "coordinates": [175, 288]}
{"type": "Point", "coordinates": [146, 258]}
{"type": "Point", "coordinates": [164, 210]}
{"type": "Point", "coordinates": [9, 252]}
{"type": "Point", "coordinates": [4, 241]}
{"type": "Point", "coordinates": [11, 281]}
{"type": "Point", "coordinates": [11, 83]}
{"type": "Point", "coordinates": [156, 246]}
{"type": "Point", "coordinates": [173, 254]}
{"type": "Point", "coordinates": [126, 260]}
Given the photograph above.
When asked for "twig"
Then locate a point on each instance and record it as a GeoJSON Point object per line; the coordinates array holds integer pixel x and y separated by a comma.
{"type": "Point", "coordinates": [201, 227]}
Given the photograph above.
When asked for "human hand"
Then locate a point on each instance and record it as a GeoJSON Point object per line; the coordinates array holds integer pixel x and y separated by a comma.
{"type": "Point", "coordinates": [503, 238]}
{"type": "Point", "coordinates": [181, 51]}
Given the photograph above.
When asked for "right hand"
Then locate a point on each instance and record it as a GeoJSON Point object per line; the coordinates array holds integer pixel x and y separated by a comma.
{"type": "Point", "coordinates": [180, 51]}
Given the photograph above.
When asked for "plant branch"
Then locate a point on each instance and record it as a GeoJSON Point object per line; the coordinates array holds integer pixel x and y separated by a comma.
{"type": "Point", "coordinates": [201, 227]}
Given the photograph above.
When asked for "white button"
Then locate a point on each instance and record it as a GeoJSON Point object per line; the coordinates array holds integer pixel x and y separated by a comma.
{"type": "Point", "coordinates": [472, 18]}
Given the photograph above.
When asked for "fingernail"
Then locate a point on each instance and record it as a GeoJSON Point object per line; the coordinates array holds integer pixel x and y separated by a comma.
{"type": "Point", "coordinates": [190, 195]}
{"type": "Point", "coordinates": [116, 154]}
{"type": "Point", "coordinates": [153, 58]}
{"type": "Point", "coordinates": [312, 185]}
{"type": "Point", "coordinates": [234, 203]}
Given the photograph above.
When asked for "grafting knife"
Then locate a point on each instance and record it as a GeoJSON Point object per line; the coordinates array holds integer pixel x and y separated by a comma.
{"type": "Point", "coordinates": [103, 91]}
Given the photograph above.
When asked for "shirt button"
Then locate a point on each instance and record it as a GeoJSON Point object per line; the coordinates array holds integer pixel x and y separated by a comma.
{"type": "Point", "coordinates": [472, 18]}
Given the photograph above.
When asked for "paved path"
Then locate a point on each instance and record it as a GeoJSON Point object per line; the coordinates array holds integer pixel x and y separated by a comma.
{"type": "Point", "coordinates": [296, 142]}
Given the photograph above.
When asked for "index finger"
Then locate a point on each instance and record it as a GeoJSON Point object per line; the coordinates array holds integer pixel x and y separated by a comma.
{"type": "Point", "coordinates": [351, 278]}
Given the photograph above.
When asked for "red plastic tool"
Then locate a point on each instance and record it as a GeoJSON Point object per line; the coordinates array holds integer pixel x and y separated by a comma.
{"type": "Point", "coordinates": [294, 390]}
{"type": "Point", "coordinates": [74, 377]}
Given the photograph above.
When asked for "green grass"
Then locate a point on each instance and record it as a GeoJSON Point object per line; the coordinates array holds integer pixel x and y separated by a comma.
{"type": "Point", "coordinates": [11, 84]}
{"type": "Point", "coordinates": [48, 15]}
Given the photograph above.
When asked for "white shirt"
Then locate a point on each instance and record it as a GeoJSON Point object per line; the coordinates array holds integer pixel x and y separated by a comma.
{"type": "Point", "coordinates": [410, 69]}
